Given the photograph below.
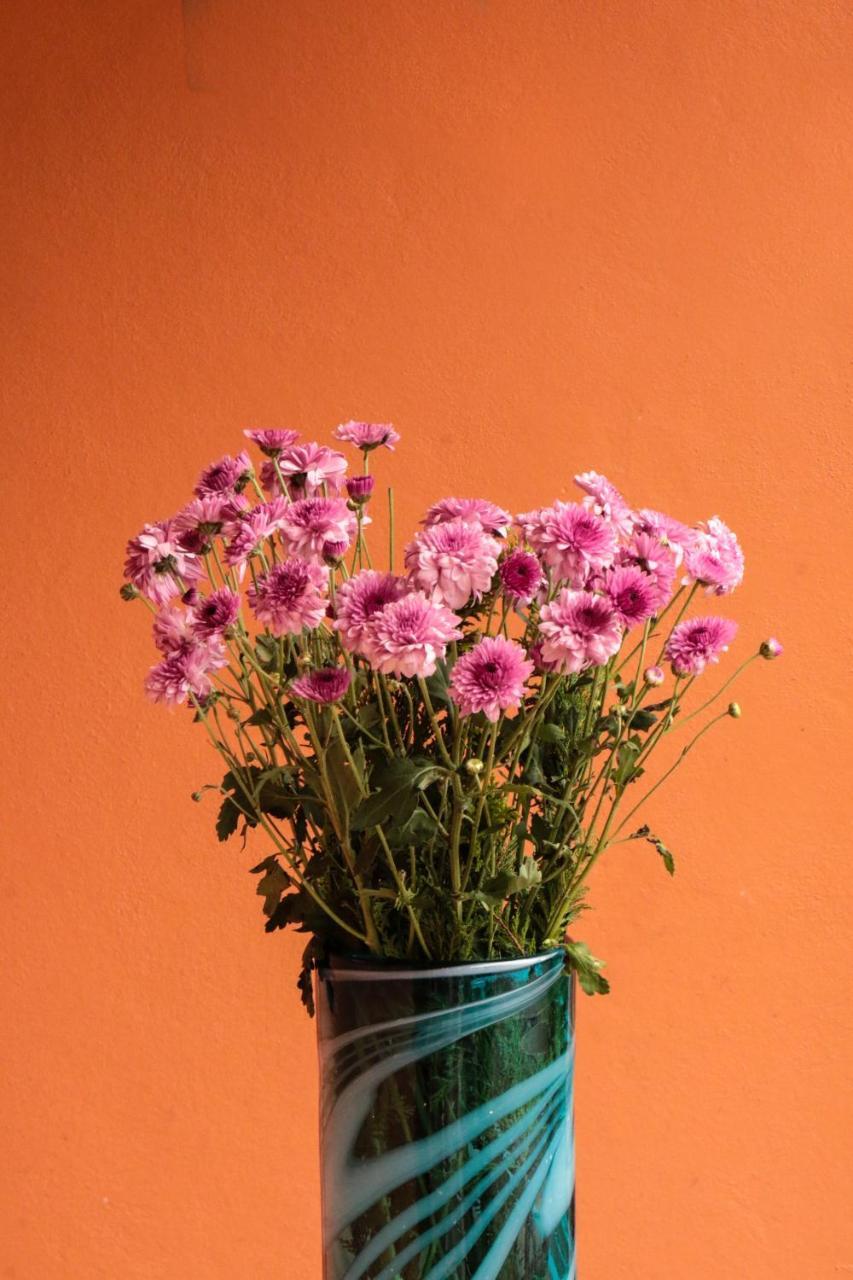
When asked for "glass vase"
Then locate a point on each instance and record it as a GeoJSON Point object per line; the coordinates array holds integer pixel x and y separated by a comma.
{"type": "Point", "coordinates": [446, 1121]}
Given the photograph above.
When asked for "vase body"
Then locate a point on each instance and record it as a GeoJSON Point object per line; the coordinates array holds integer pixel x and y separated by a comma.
{"type": "Point", "coordinates": [446, 1121]}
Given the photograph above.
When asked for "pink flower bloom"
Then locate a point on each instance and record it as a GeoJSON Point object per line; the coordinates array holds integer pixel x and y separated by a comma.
{"type": "Point", "coordinates": [666, 529]}
{"type": "Point", "coordinates": [173, 629]}
{"type": "Point", "coordinates": [540, 662]}
{"type": "Point", "coordinates": [479, 511]}
{"type": "Point", "coordinates": [252, 528]}
{"type": "Point", "coordinates": [328, 684]}
{"type": "Point", "coordinates": [367, 435]}
{"type": "Point", "coordinates": [605, 500]}
{"type": "Point", "coordinates": [771, 648]}
{"type": "Point", "coordinates": [655, 558]}
{"type": "Point", "coordinates": [292, 596]}
{"type": "Point", "coordinates": [572, 540]}
{"type": "Point", "coordinates": [308, 467]}
{"type": "Point", "coordinates": [490, 677]}
{"type": "Point", "coordinates": [653, 676]}
{"type": "Point", "coordinates": [453, 562]}
{"type": "Point", "coordinates": [308, 525]}
{"type": "Point", "coordinates": [696, 642]}
{"type": "Point", "coordinates": [358, 599]}
{"type": "Point", "coordinates": [521, 576]}
{"type": "Point", "coordinates": [271, 440]}
{"type": "Point", "coordinates": [714, 558]}
{"type": "Point", "coordinates": [579, 630]}
{"type": "Point", "coordinates": [216, 613]}
{"type": "Point", "coordinates": [158, 565]}
{"type": "Point", "coordinates": [632, 593]}
{"type": "Point", "coordinates": [228, 475]}
{"type": "Point", "coordinates": [185, 672]}
{"type": "Point", "coordinates": [408, 636]}
{"type": "Point", "coordinates": [202, 519]}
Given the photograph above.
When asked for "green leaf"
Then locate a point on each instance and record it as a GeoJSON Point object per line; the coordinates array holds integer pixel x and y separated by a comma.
{"type": "Point", "coordinates": [228, 820]}
{"type": "Point", "coordinates": [646, 833]}
{"type": "Point", "coordinates": [397, 783]}
{"type": "Point", "coordinates": [551, 734]}
{"type": "Point", "coordinates": [506, 883]}
{"type": "Point", "coordinates": [263, 715]}
{"type": "Point", "coordinates": [588, 968]}
{"type": "Point", "coordinates": [418, 829]}
{"type": "Point", "coordinates": [439, 690]}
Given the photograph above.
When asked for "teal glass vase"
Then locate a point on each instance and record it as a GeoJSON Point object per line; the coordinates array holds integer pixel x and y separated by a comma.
{"type": "Point", "coordinates": [446, 1129]}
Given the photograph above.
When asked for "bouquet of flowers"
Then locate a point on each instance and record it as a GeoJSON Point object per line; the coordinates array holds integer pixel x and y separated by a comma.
{"type": "Point", "coordinates": [434, 756]}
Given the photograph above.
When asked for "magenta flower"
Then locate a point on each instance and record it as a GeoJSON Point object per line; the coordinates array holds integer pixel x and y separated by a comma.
{"type": "Point", "coordinates": [203, 518]}
{"type": "Point", "coordinates": [185, 672]}
{"type": "Point", "coordinates": [359, 489]}
{"type": "Point", "coordinates": [521, 576]}
{"type": "Point", "coordinates": [479, 511]}
{"type": "Point", "coordinates": [252, 528]}
{"type": "Point", "coordinates": [292, 596]}
{"type": "Point", "coordinates": [647, 552]}
{"type": "Point", "coordinates": [490, 677]}
{"type": "Point", "coordinates": [157, 563]}
{"type": "Point", "coordinates": [453, 562]}
{"type": "Point", "coordinates": [408, 636]}
{"type": "Point", "coordinates": [714, 558]}
{"type": "Point", "coordinates": [308, 468]}
{"type": "Point", "coordinates": [771, 648]}
{"type": "Point", "coordinates": [309, 525]}
{"type": "Point", "coordinates": [572, 540]}
{"type": "Point", "coordinates": [327, 684]}
{"type": "Point", "coordinates": [632, 593]}
{"type": "Point", "coordinates": [367, 435]}
{"type": "Point", "coordinates": [666, 529]}
{"type": "Point", "coordinates": [228, 475]}
{"type": "Point", "coordinates": [358, 599]}
{"type": "Point", "coordinates": [216, 613]}
{"type": "Point", "coordinates": [696, 642]}
{"type": "Point", "coordinates": [654, 676]}
{"type": "Point", "coordinates": [579, 630]}
{"type": "Point", "coordinates": [271, 440]}
{"type": "Point", "coordinates": [173, 629]}
{"type": "Point", "coordinates": [605, 500]}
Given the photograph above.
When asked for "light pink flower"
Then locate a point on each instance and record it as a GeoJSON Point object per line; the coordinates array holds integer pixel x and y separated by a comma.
{"type": "Point", "coordinates": [308, 525]}
{"type": "Point", "coordinates": [696, 642]}
{"type": "Point", "coordinates": [654, 676]}
{"type": "Point", "coordinates": [579, 630]}
{"type": "Point", "coordinates": [271, 440]}
{"type": "Point", "coordinates": [605, 500]}
{"type": "Point", "coordinates": [173, 629]}
{"type": "Point", "coordinates": [292, 596]}
{"type": "Point", "coordinates": [216, 613]}
{"type": "Point", "coordinates": [408, 636]}
{"type": "Point", "coordinates": [540, 662]}
{"type": "Point", "coordinates": [714, 558]}
{"type": "Point", "coordinates": [479, 511]}
{"type": "Point", "coordinates": [632, 593]}
{"type": "Point", "coordinates": [228, 475]}
{"type": "Point", "coordinates": [185, 672]}
{"type": "Point", "coordinates": [490, 677]}
{"type": "Point", "coordinates": [252, 528]}
{"type": "Point", "coordinates": [327, 684]}
{"type": "Point", "coordinates": [666, 529]}
{"type": "Point", "coordinates": [202, 519]}
{"type": "Point", "coordinates": [572, 540]}
{"type": "Point", "coordinates": [367, 435]}
{"type": "Point", "coordinates": [453, 562]}
{"type": "Point", "coordinates": [158, 565]}
{"type": "Point", "coordinates": [521, 576]}
{"type": "Point", "coordinates": [771, 648]}
{"type": "Point", "coordinates": [358, 599]}
{"type": "Point", "coordinates": [307, 468]}
{"type": "Point", "coordinates": [657, 559]}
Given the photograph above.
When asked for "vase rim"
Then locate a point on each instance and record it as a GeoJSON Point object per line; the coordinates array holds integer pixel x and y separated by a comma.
{"type": "Point", "coordinates": [372, 970]}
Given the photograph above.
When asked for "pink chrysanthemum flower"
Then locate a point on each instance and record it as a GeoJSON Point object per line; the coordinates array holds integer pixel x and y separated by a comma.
{"type": "Point", "coordinates": [632, 593]}
{"type": "Point", "coordinates": [309, 525]}
{"type": "Point", "coordinates": [228, 475]}
{"type": "Point", "coordinates": [271, 440]}
{"type": "Point", "coordinates": [479, 511]}
{"type": "Point", "coordinates": [714, 558]}
{"type": "Point", "coordinates": [292, 596]}
{"type": "Point", "coordinates": [327, 684]}
{"type": "Point", "coordinates": [666, 529]}
{"type": "Point", "coordinates": [521, 576]}
{"type": "Point", "coordinates": [408, 636]}
{"type": "Point", "coordinates": [490, 677]}
{"type": "Point", "coordinates": [358, 599]}
{"type": "Point", "coordinates": [157, 563]}
{"type": "Point", "coordinates": [540, 662]}
{"type": "Point", "coordinates": [367, 435]}
{"type": "Point", "coordinates": [307, 468]}
{"type": "Point", "coordinates": [185, 672]}
{"type": "Point", "coordinates": [572, 540]}
{"type": "Point", "coordinates": [173, 629]}
{"type": "Point", "coordinates": [216, 613]}
{"type": "Point", "coordinates": [252, 528]}
{"type": "Point", "coordinates": [605, 500]}
{"type": "Point", "coordinates": [453, 562]}
{"type": "Point", "coordinates": [579, 630]}
{"type": "Point", "coordinates": [696, 642]}
{"type": "Point", "coordinates": [645, 551]}
{"type": "Point", "coordinates": [202, 519]}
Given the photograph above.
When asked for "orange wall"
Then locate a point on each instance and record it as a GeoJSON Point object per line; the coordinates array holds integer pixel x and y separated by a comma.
{"type": "Point", "coordinates": [538, 236]}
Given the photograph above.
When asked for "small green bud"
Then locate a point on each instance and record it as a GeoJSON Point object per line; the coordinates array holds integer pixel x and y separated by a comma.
{"type": "Point", "coordinates": [734, 710]}
{"type": "Point", "coordinates": [474, 767]}
{"type": "Point", "coordinates": [128, 591]}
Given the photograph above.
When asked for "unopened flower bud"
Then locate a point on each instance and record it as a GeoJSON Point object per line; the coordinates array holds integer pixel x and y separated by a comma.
{"type": "Point", "coordinates": [771, 648]}
{"type": "Point", "coordinates": [334, 552]}
{"type": "Point", "coordinates": [128, 591]}
{"type": "Point", "coordinates": [734, 710]}
{"type": "Point", "coordinates": [474, 767]}
{"type": "Point", "coordinates": [360, 488]}
{"type": "Point", "coordinates": [653, 675]}
{"type": "Point", "coordinates": [191, 598]}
